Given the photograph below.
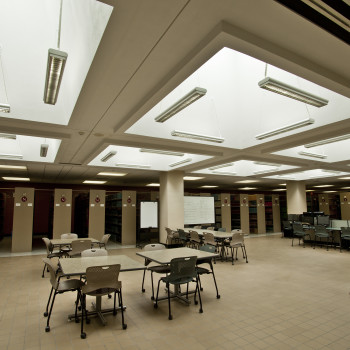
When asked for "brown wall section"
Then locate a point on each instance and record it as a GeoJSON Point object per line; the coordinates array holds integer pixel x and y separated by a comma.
{"type": "Point", "coordinates": [128, 217]}
{"type": "Point", "coordinates": [62, 212]}
{"type": "Point", "coordinates": [97, 208]}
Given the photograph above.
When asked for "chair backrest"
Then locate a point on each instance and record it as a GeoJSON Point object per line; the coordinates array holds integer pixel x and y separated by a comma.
{"type": "Point", "coordinates": [101, 278]}
{"type": "Point", "coordinates": [94, 252]}
{"type": "Point", "coordinates": [182, 269]}
{"type": "Point", "coordinates": [320, 229]}
{"type": "Point", "coordinates": [182, 233]}
{"type": "Point", "coordinates": [48, 244]}
{"type": "Point", "coordinates": [211, 228]}
{"type": "Point", "coordinates": [69, 236]}
{"type": "Point", "coordinates": [154, 246]}
{"type": "Point", "coordinates": [237, 238]}
{"type": "Point", "coordinates": [345, 231]}
{"type": "Point", "coordinates": [222, 229]}
{"type": "Point", "coordinates": [53, 272]}
{"type": "Point", "coordinates": [286, 224]}
{"type": "Point", "coordinates": [208, 248]}
{"type": "Point", "coordinates": [209, 238]}
{"type": "Point", "coordinates": [297, 227]}
{"type": "Point", "coordinates": [194, 236]}
{"type": "Point", "coordinates": [79, 245]}
{"type": "Point", "coordinates": [105, 239]}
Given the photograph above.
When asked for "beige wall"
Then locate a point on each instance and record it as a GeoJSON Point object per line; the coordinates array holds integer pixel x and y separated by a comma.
{"type": "Point", "coordinates": [244, 211]}
{"type": "Point", "coordinates": [261, 217]}
{"type": "Point", "coordinates": [345, 205]}
{"type": "Point", "coordinates": [62, 213]}
{"type": "Point", "coordinates": [97, 215]}
{"type": "Point", "coordinates": [171, 198]}
{"type": "Point", "coordinates": [22, 232]}
{"type": "Point", "coordinates": [276, 213]}
{"type": "Point", "coordinates": [296, 197]}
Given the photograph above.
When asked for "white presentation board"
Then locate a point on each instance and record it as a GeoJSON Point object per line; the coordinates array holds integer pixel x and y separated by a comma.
{"type": "Point", "coordinates": [148, 214]}
{"type": "Point", "coordinates": [199, 210]}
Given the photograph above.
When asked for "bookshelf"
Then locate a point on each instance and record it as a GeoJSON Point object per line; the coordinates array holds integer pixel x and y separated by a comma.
{"type": "Point", "coordinates": [235, 212]}
{"type": "Point", "coordinates": [269, 214]}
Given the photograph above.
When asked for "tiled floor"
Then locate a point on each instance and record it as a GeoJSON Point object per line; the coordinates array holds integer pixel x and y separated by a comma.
{"type": "Point", "coordinates": [284, 298]}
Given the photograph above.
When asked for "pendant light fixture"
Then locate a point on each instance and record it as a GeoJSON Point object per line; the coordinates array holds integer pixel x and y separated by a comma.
{"type": "Point", "coordinates": [56, 62]}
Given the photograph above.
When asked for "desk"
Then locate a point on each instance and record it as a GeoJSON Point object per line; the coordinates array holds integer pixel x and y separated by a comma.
{"type": "Point", "coordinates": [164, 256]}
{"type": "Point", "coordinates": [68, 241]}
{"type": "Point", "coordinates": [78, 266]}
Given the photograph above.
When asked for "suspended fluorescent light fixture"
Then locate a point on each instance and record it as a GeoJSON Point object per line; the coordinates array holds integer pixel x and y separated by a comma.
{"type": "Point", "coordinates": [8, 136]}
{"type": "Point", "coordinates": [292, 92]}
{"type": "Point", "coordinates": [56, 61]}
{"type": "Point", "coordinates": [43, 149]}
{"type": "Point", "coordinates": [13, 167]}
{"type": "Point", "coordinates": [286, 128]}
{"type": "Point", "coordinates": [246, 181]}
{"type": "Point", "coordinates": [109, 155]}
{"type": "Point", "coordinates": [11, 156]}
{"type": "Point", "coordinates": [4, 108]}
{"type": "Point", "coordinates": [111, 174]}
{"type": "Point", "coordinates": [247, 188]}
{"type": "Point", "coordinates": [327, 141]}
{"type": "Point", "coordinates": [185, 101]}
{"type": "Point", "coordinates": [221, 166]}
{"type": "Point", "coordinates": [11, 178]}
{"type": "Point", "coordinates": [168, 153]}
{"type": "Point", "coordinates": [190, 135]}
{"type": "Point", "coordinates": [140, 166]}
{"type": "Point", "coordinates": [153, 185]}
{"type": "Point", "coordinates": [223, 173]}
{"type": "Point", "coordinates": [266, 171]}
{"type": "Point", "coordinates": [267, 164]}
{"type": "Point", "coordinates": [94, 182]}
{"type": "Point", "coordinates": [181, 162]}
{"type": "Point", "coordinates": [314, 155]}
{"type": "Point", "coordinates": [208, 186]}
{"type": "Point", "coordinates": [193, 178]}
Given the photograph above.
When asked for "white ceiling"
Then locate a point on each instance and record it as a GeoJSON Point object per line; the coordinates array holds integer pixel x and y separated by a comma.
{"type": "Point", "coordinates": [123, 73]}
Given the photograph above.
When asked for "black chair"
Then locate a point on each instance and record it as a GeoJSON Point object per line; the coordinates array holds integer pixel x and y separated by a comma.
{"type": "Point", "coordinates": [183, 237]}
{"type": "Point", "coordinates": [321, 233]}
{"type": "Point", "coordinates": [298, 232]}
{"type": "Point", "coordinates": [161, 269]}
{"type": "Point", "coordinates": [345, 235]}
{"type": "Point", "coordinates": [204, 271]}
{"type": "Point", "coordinates": [287, 229]}
{"type": "Point", "coordinates": [182, 271]}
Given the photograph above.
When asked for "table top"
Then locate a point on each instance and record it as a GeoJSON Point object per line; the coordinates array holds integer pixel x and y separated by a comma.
{"type": "Point", "coordinates": [164, 256]}
{"type": "Point", "coordinates": [217, 234]}
{"type": "Point", "coordinates": [78, 266]}
{"type": "Point", "coordinates": [68, 241]}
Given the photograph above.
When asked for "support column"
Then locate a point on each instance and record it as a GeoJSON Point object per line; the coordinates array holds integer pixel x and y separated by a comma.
{"type": "Point", "coordinates": [171, 198]}
{"type": "Point", "coordinates": [22, 232]}
{"type": "Point", "coordinates": [97, 214]}
{"type": "Point", "coordinates": [296, 197]}
{"type": "Point", "coordinates": [62, 213]}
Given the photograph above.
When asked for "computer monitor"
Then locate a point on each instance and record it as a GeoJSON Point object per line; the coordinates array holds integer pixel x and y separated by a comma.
{"type": "Point", "coordinates": [323, 220]}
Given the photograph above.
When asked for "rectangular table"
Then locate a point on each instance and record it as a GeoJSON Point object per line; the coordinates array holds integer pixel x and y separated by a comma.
{"type": "Point", "coordinates": [164, 256]}
{"type": "Point", "coordinates": [68, 241]}
{"type": "Point", "coordinates": [78, 266]}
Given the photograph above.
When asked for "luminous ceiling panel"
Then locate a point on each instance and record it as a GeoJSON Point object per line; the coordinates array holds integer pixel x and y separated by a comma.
{"type": "Point", "coordinates": [234, 106]}
{"type": "Point", "coordinates": [334, 152]}
{"type": "Point", "coordinates": [307, 175]}
{"type": "Point", "coordinates": [133, 156]}
{"type": "Point", "coordinates": [27, 30]}
{"type": "Point", "coordinates": [29, 148]}
{"type": "Point", "coordinates": [244, 168]}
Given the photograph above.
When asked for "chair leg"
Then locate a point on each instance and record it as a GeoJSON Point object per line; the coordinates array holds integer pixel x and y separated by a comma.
{"type": "Point", "coordinates": [156, 303]}
{"type": "Point", "coordinates": [216, 286]}
{"type": "Point", "coordinates": [48, 303]}
{"type": "Point", "coordinates": [76, 306]}
{"type": "Point", "coordinates": [170, 315]}
{"type": "Point", "coordinates": [245, 253]}
{"type": "Point", "coordinates": [143, 281]}
{"type": "Point", "coordinates": [122, 308]}
{"type": "Point", "coordinates": [233, 254]}
{"type": "Point", "coordinates": [83, 309]}
{"type": "Point", "coordinates": [152, 297]}
{"type": "Point", "coordinates": [199, 296]}
{"type": "Point", "coordinates": [47, 329]}
{"type": "Point", "coordinates": [114, 304]}
{"type": "Point", "coordinates": [43, 274]}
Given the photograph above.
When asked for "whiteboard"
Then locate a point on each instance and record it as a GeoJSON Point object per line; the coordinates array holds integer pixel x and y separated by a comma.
{"type": "Point", "coordinates": [199, 210]}
{"type": "Point", "coordinates": [148, 214]}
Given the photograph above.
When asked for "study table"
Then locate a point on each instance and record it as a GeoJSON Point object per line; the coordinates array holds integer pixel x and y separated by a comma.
{"type": "Point", "coordinates": [68, 241]}
{"type": "Point", "coordinates": [164, 257]}
{"type": "Point", "coordinates": [77, 267]}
